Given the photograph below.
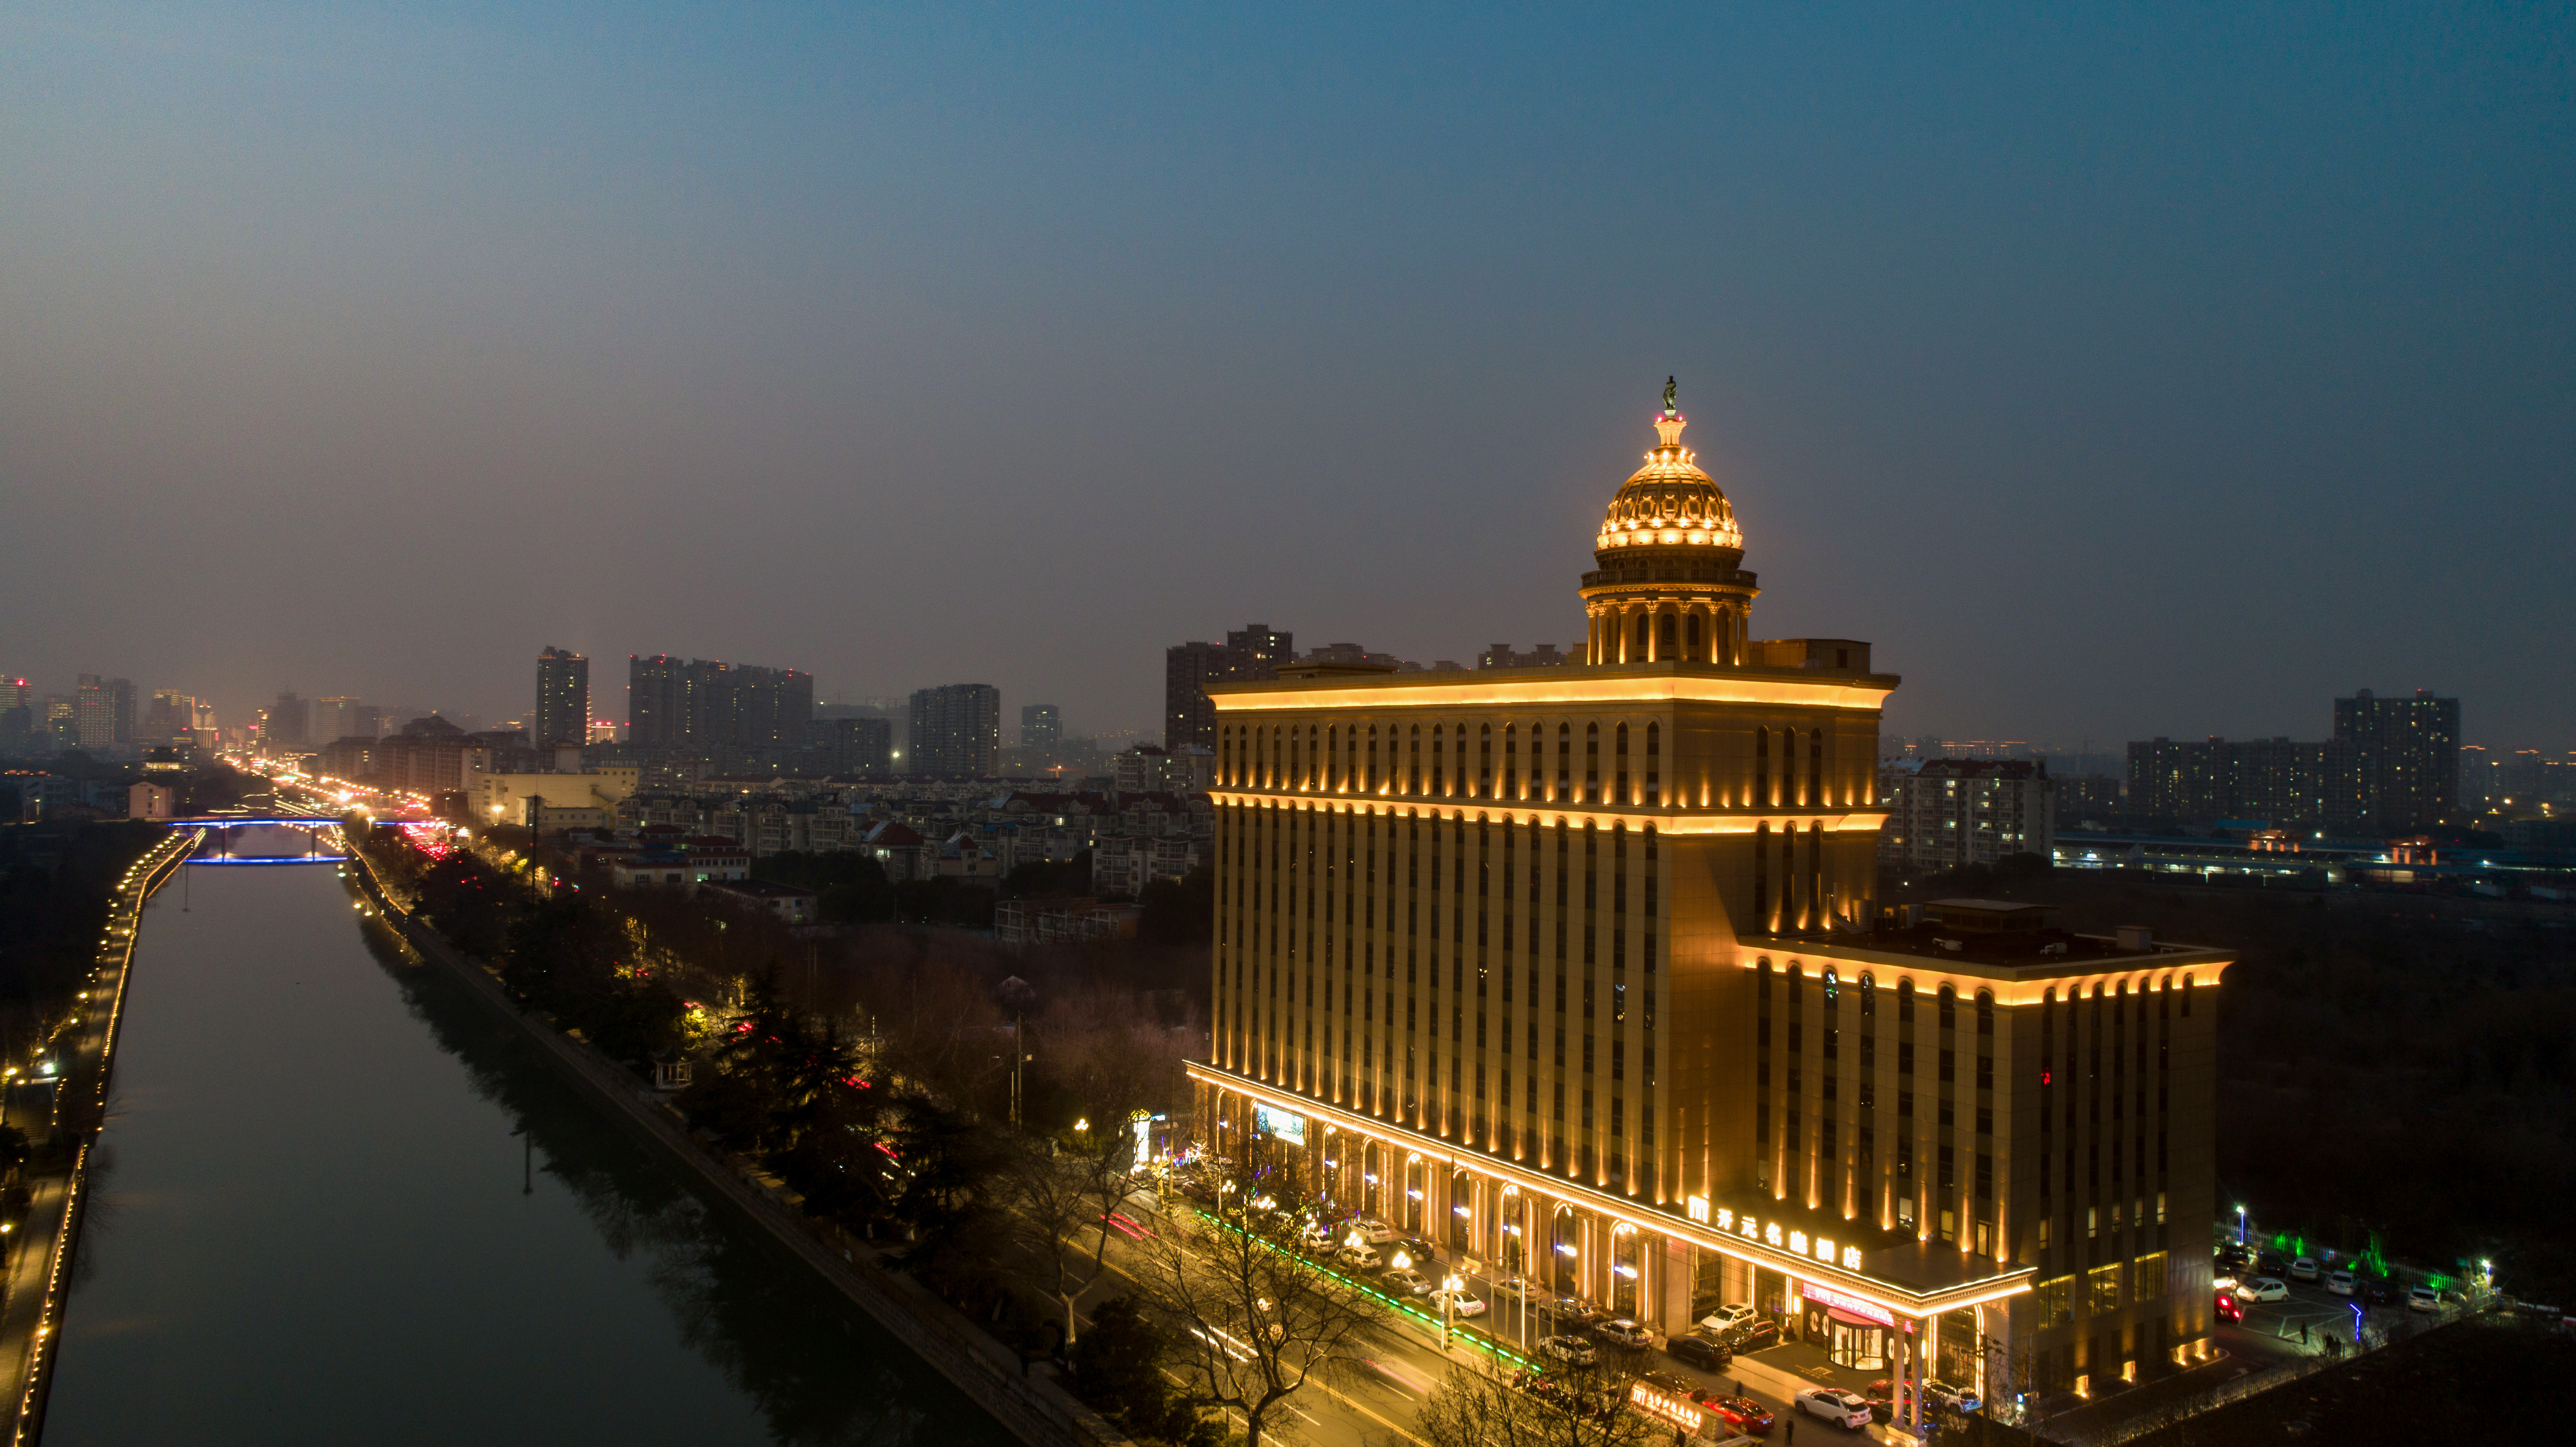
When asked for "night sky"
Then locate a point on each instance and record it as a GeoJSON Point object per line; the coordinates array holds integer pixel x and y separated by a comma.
{"type": "Point", "coordinates": [2116, 371]}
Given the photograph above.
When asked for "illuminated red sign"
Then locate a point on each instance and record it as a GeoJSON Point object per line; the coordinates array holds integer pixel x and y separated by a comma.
{"type": "Point", "coordinates": [1841, 1301]}
{"type": "Point", "coordinates": [1666, 1406]}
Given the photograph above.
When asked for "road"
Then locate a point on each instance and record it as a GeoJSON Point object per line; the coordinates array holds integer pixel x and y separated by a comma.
{"type": "Point", "coordinates": [1404, 1363]}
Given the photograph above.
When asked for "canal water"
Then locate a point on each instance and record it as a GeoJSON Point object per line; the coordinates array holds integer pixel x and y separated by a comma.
{"type": "Point", "coordinates": [318, 1220]}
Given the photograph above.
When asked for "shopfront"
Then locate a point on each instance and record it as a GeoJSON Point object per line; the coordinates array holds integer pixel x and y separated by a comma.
{"type": "Point", "coordinates": [1851, 1332]}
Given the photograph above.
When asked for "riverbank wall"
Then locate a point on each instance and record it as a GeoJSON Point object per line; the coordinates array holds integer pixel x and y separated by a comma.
{"type": "Point", "coordinates": [39, 1262]}
{"type": "Point", "coordinates": [1034, 1408]}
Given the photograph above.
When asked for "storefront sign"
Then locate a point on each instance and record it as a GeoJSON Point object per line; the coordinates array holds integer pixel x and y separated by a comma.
{"type": "Point", "coordinates": [1842, 1301]}
{"type": "Point", "coordinates": [1665, 1406]}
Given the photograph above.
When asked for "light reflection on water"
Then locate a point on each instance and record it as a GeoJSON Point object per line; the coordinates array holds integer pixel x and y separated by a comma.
{"type": "Point", "coordinates": [317, 1229]}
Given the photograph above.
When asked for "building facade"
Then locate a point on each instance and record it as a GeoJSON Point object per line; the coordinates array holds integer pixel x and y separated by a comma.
{"type": "Point", "coordinates": [1951, 813]}
{"type": "Point", "coordinates": [957, 730]}
{"type": "Point", "coordinates": [1579, 970]}
{"type": "Point", "coordinates": [1248, 654]}
{"type": "Point", "coordinates": [563, 700]}
{"type": "Point", "coordinates": [1041, 727]}
{"type": "Point", "coordinates": [2392, 767]}
{"type": "Point", "coordinates": [702, 704]}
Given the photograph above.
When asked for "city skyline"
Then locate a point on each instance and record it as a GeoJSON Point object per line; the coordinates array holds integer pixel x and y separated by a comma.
{"type": "Point", "coordinates": [1971, 316]}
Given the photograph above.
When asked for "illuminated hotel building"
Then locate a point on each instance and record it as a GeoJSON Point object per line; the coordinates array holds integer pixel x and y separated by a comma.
{"type": "Point", "coordinates": [1579, 970]}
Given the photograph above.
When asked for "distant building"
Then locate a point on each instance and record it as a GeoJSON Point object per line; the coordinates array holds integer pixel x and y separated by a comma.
{"type": "Point", "coordinates": [563, 699]}
{"type": "Point", "coordinates": [150, 801]}
{"type": "Point", "coordinates": [1248, 655]}
{"type": "Point", "coordinates": [1146, 769]}
{"type": "Point", "coordinates": [286, 724]}
{"type": "Point", "coordinates": [519, 798]}
{"type": "Point", "coordinates": [2392, 767]}
{"type": "Point", "coordinates": [1951, 813]}
{"type": "Point", "coordinates": [1541, 655]}
{"type": "Point", "coordinates": [104, 712]}
{"type": "Point", "coordinates": [796, 906]}
{"type": "Point", "coordinates": [956, 730]}
{"type": "Point", "coordinates": [857, 745]}
{"type": "Point", "coordinates": [1041, 726]}
{"type": "Point", "coordinates": [701, 704]}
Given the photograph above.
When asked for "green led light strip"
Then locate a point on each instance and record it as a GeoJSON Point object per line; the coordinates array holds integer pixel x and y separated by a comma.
{"type": "Point", "coordinates": [1482, 1343]}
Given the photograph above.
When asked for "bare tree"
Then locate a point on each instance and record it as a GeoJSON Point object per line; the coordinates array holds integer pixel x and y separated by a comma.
{"type": "Point", "coordinates": [1486, 1403]}
{"type": "Point", "coordinates": [1256, 1324]}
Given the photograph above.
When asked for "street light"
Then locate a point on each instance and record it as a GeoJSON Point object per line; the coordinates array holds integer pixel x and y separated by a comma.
{"type": "Point", "coordinates": [2240, 1225]}
{"type": "Point", "coordinates": [1450, 1286]}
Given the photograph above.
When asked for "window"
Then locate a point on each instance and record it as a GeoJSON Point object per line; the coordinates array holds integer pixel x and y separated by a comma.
{"type": "Point", "coordinates": [2102, 1288]}
{"type": "Point", "coordinates": [2147, 1281]}
{"type": "Point", "coordinates": [1654, 765]}
{"type": "Point", "coordinates": [2054, 1296]}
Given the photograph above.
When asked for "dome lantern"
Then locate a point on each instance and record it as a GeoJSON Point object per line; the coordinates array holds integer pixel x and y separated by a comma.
{"type": "Point", "coordinates": [1668, 588]}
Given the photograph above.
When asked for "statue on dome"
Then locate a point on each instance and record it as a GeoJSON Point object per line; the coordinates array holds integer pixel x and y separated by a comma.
{"type": "Point", "coordinates": [1670, 387]}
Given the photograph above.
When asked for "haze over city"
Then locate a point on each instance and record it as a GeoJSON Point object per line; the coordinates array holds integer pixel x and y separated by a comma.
{"type": "Point", "coordinates": [2116, 372]}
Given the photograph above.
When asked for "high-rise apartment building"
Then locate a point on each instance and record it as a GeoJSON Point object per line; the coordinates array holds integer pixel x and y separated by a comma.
{"type": "Point", "coordinates": [1041, 726]}
{"type": "Point", "coordinates": [956, 730]}
{"type": "Point", "coordinates": [858, 745]}
{"type": "Point", "coordinates": [1951, 813]}
{"type": "Point", "coordinates": [103, 711]}
{"type": "Point", "coordinates": [1578, 969]}
{"type": "Point", "coordinates": [1249, 654]}
{"type": "Point", "coordinates": [2405, 757]}
{"type": "Point", "coordinates": [705, 705]}
{"type": "Point", "coordinates": [563, 699]}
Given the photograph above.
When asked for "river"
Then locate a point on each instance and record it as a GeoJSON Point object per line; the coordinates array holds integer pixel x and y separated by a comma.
{"type": "Point", "coordinates": [314, 1222]}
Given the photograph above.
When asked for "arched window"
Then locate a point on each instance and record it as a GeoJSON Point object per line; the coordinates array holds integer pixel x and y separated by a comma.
{"type": "Point", "coordinates": [1484, 761]}
{"type": "Point", "coordinates": [1564, 762]}
{"type": "Point", "coordinates": [2186, 996]}
{"type": "Point", "coordinates": [1654, 765]}
{"type": "Point", "coordinates": [1619, 766]}
{"type": "Point", "coordinates": [1413, 760]}
{"type": "Point", "coordinates": [1761, 768]}
{"type": "Point", "coordinates": [1592, 763]}
{"type": "Point", "coordinates": [1439, 779]}
{"type": "Point", "coordinates": [1762, 878]}
{"type": "Point", "coordinates": [1985, 1012]}
{"type": "Point", "coordinates": [1816, 768]}
{"type": "Point", "coordinates": [1868, 995]}
{"type": "Point", "coordinates": [1369, 774]}
{"type": "Point", "coordinates": [1904, 1001]}
{"type": "Point", "coordinates": [1949, 1008]}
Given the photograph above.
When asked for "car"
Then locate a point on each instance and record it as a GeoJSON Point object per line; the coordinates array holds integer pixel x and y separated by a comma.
{"type": "Point", "coordinates": [1374, 1232]}
{"type": "Point", "coordinates": [1938, 1393]}
{"type": "Point", "coordinates": [2228, 1308]}
{"type": "Point", "coordinates": [1674, 1385]}
{"type": "Point", "coordinates": [2262, 1288]}
{"type": "Point", "coordinates": [1316, 1236]}
{"type": "Point", "coordinates": [2271, 1263]}
{"type": "Point", "coordinates": [1515, 1287]}
{"type": "Point", "coordinates": [2423, 1298]}
{"type": "Point", "coordinates": [1883, 1394]}
{"type": "Point", "coordinates": [2305, 1269]}
{"type": "Point", "coordinates": [1621, 1332]}
{"type": "Point", "coordinates": [1457, 1303]}
{"type": "Point", "coordinates": [2378, 1291]}
{"type": "Point", "coordinates": [1753, 1336]}
{"type": "Point", "coordinates": [1733, 1315]}
{"type": "Point", "coordinates": [1699, 1351]}
{"type": "Point", "coordinates": [1572, 1350]}
{"type": "Point", "coordinates": [1422, 1252]}
{"type": "Point", "coordinates": [1743, 1414]}
{"type": "Point", "coordinates": [1360, 1258]}
{"type": "Point", "coordinates": [1404, 1280]}
{"type": "Point", "coordinates": [2341, 1283]}
{"type": "Point", "coordinates": [1843, 1409]}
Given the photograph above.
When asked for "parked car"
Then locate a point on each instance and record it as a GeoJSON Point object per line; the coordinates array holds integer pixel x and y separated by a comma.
{"type": "Point", "coordinates": [2228, 1307]}
{"type": "Point", "coordinates": [2271, 1263]}
{"type": "Point", "coordinates": [1316, 1237]}
{"type": "Point", "coordinates": [1949, 1395]}
{"type": "Point", "coordinates": [1572, 1350]}
{"type": "Point", "coordinates": [1699, 1351]}
{"type": "Point", "coordinates": [1621, 1332]}
{"type": "Point", "coordinates": [2378, 1291]}
{"type": "Point", "coordinates": [1843, 1409]}
{"type": "Point", "coordinates": [1672, 1384]}
{"type": "Point", "coordinates": [2423, 1298]}
{"type": "Point", "coordinates": [2341, 1283]}
{"type": "Point", "coordinates": [1884, 1395]}
{"type": "Point", "coordinates": [1404, 1280]}
{"type": "Point", "coordinates": [1733, 1315]}
{"type": "Point", "coordinates": [2263, 1288]}
{"type": "Point", "coordinates": [2305, 1269]}
{"type": "Point", "coordinates": [1458, 1303]}
{"type": "Point", "coordinates": [1752, 1336]}
{"type": "Point", "coordinates": [1360, 1258]}
{"type": "Point", "coordinates": [1515, 1287]}
{"type": "Point", "coordinates": [1422, 1252]}
{"type": "Point", "coordinates": [1374, 1232]}
{"type": "Point", "coordinates": [1743, 1414]}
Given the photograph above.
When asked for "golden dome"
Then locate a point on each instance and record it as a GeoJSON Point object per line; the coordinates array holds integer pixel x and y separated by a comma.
{"type": "Point", "coordinates": [1669, 502]}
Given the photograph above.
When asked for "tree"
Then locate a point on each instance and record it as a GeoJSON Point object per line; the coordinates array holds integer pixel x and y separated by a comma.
{"type": "Point", "coordinates": [1484, 1403]}
{"type": "Point", "coordinates": [1179, 912]}
{"type": "Point", "coordinates": [1118, 1370]}
{"type": "Point", "coordinates": [1259, 1325]}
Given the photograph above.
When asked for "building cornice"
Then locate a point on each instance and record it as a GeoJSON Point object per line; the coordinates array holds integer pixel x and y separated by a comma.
{"type": "Point", "coordinates": [1524, 811]}
{"type": "Point", "coordinates": [1891, 1295]}
{"type": "Point", "coordinates": [1604, 686]}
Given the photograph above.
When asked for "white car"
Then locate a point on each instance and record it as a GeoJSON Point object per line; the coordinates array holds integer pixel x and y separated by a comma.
{"type": "Point", "coordinates": [1316, 1237]}
{"type": "Point", "coordinates": [2423, 1298]}
{"type": "Point", "coordinates": [1359, 1258]}
{"type": "Point", "coordinates": [1843, 1409]}
{"type": "Point", "coordinates": [1457, 1303]}
{"type": "Point", "coordinates": [2263, 1288]}
{"type": "Point", "coordinates": [1621, 1332]}
{"type": "Point", "coordinates": [2340, 1283]}
{"type": "Point", "coordinates": [1727, 1317]}
{"type": "Point", "coordinates": [1572, 1350]}
{"type": "Point", "coordinates": [1511, 1286]}
{"type": "Point", "coordinates": [2305, 1269]}
{"type": "Point", "coordinates": [1375, 1233]}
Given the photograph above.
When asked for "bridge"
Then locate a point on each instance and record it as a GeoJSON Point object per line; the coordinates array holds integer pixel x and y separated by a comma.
{"type": "Point", "coordinates": [224, 824]}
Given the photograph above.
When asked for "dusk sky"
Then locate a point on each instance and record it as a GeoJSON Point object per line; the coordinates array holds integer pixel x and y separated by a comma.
{"type": "Point", "coordinates": [2117, 372]}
